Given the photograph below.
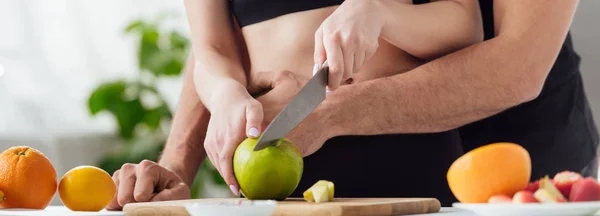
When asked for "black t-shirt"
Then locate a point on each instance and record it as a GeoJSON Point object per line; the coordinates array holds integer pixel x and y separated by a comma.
{"type": "Point", "coordinates": [556, 128]}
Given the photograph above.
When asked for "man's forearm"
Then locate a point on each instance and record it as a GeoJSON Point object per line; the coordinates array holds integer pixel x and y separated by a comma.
{"type": "Point", "coordinates": [433, 29]}
{"type": "Point", "coordinates": [435, 97]}
{"type": "Point", "coordinates": [184, 150]}
{"type": "Point", "coordinates": [462, 87]}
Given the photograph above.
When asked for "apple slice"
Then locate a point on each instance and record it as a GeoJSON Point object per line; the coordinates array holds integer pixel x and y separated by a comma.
{"type": "Point", "coordinates": [501, 198]}
{"type": "Point", "coordinates": [564, 181]}
{"type": "Point", "coordinates": [548, 192]}
{"type": "Point", "coordinates": [544, 196]}
{"type": "Point", "coordinates": [320, 193]}
{"type": "Point", "coordinates": [309, 195]}
{"type": "Point", "coordinates": [585, 190]}
{"type": "Point", "coordinates": [524, 197]}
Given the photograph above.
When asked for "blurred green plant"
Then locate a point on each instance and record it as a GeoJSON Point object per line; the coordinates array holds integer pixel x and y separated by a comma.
{"type": "Point", "coordinates": [140, 111]}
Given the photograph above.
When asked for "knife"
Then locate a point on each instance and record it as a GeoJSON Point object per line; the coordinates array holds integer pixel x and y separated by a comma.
{"type": "Point", "coordinates": [309, 97]}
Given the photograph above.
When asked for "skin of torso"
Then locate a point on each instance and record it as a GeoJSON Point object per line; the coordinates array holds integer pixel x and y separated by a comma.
{"type": "Point", "coordinates": [287, 43]}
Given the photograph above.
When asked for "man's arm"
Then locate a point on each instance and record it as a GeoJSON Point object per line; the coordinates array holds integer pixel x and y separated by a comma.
{"type": "Point", "coordinates": [433, 29]}
{"type": "Point", "coordinates": [184, 150]}
{"type": "Point", "coordinates": [462, 87]}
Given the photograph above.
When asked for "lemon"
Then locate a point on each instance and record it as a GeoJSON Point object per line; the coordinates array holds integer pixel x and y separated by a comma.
{"type": "Point", "coordinates": [86, 188]}
{"type": "Point", "coordinates": [270, 173]}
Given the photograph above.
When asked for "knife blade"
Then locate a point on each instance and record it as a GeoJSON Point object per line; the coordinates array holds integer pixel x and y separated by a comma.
{"type": "Point", "coordinates": [309, 97]}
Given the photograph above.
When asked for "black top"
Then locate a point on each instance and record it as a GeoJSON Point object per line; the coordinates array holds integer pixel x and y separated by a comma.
{"type": "Point", "coordinates": [248, 12]}
{"type": "Point", "coordinates": [557, 129]}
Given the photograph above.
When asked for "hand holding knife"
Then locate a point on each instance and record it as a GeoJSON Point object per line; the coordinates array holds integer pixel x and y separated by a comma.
{"type": "Point", "coordinates": [309, 97]}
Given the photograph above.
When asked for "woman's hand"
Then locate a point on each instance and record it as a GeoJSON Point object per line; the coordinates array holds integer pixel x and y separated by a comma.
{"type": "Point", "coordinates": [347, 39]}
{"type": "Point", "coordinates": [235, 115]}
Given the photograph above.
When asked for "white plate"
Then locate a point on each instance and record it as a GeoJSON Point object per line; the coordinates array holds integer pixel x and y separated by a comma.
{"type": "Point", "coordinates": [225, 208]}
{"type": "Point", "coordinates": [532, 209]}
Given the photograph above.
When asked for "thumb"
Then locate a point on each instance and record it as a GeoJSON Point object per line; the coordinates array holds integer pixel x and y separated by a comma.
{"type": "Point", "coordinates": [320, 55]}
{"type": "Point", "coordinates": [254, 118]}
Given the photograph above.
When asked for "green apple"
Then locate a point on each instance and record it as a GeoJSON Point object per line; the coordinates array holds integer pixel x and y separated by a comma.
{"type": "Point", "coordinates": [270, 173]}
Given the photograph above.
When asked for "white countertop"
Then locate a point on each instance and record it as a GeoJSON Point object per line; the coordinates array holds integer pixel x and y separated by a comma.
{"type": "Point", "coordinates": [55, 210]}
{"type": "Point", "coordinates": [62, 211]}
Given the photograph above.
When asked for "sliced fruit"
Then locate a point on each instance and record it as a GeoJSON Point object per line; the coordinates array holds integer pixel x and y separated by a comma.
{"type": "Point", "coordinates": [497, 168]}
{"type": "Point", "coordinates": [320, 193]}
{"type": "Point", "coordinates": [584, 190]}
{"type": "Point", "coordinates": [524, 197]}
{"type": "Point", "coordinates": [309, 196]}
{"type": "Point", "coordinates": [564, 181]}
{"type": "Point", "coordinates": [544, 196]}
{"type": "Point", "coordinates": [533, 186]}
{"type": "Point", "coordinates": [547, 185]}
{"type": "Point", "coordinates": [500, 199]}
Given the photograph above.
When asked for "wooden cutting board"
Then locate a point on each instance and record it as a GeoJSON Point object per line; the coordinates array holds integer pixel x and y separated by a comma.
{"type": "Point", "coordinates": [339, 207]}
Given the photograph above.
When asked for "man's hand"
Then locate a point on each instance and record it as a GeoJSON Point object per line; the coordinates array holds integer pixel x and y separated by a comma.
{"type": "Point", "coordinates": [283, 86]}
{"type": "Point", "coordinates": [280, 87]}
{"type": "Point", "coordinates": [146, 182]}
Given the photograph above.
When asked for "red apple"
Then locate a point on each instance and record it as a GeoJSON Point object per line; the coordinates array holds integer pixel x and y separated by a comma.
{"type": "Point", "coordinates": [524, 197]}
{"type": "Point", "coordinates": [584, 190]}
{"type": "Point", "coordinates": [501, 198]}
{"type": "Point", "coordinates": [533, 186]}
{"type": "Point", "coordinates": [564, 181]}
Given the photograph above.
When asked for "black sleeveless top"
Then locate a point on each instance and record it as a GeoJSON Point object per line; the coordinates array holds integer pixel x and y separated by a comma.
{"type": "Point", "coordinates": [556, 128]}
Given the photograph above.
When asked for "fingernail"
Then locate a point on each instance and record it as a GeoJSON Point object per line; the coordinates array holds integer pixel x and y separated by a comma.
{"type": "Point", "coordinates": [315, 69]}
{"type": "Point", "coordinates": [234, 190]}
{"type": "Point", "coordinates": [253, 132]}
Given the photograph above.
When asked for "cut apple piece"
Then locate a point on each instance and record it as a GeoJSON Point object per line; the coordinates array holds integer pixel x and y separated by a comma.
{"type": "Point", "coordinates": [547, 185]}
{"type": "Point", "coordinates": [545, 196]}
{"type": "Point", "coordinates": [500, 199]}
{"type": "Point", "coordinates": [564, 181]}
{"type": "Point", "coordinates": [310, 196]}
{"type": "Point", "coordinates": [524, 197]}
{"type": "Point", "coordinates": [585, 190]}
{"type": "Point", "coordinates": [320, 193]}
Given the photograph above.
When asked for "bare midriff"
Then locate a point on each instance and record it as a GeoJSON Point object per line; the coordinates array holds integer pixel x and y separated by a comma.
{"type": "Point", "coordinates": [287, 43]}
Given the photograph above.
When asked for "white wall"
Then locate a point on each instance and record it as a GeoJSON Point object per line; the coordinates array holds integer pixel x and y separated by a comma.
{"type": "Point", "coordinates": [586, 36]}
{"type": "Point", "coordinates": [55, 52]}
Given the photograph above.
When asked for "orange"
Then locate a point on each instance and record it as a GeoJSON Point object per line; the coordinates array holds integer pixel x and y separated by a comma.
{"type": "Point", "coordinates": [27, 178]}
{"type": "Point", "coordinates": [494, 169]}
{"type": "Point", "coordinates": [86, 188]}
